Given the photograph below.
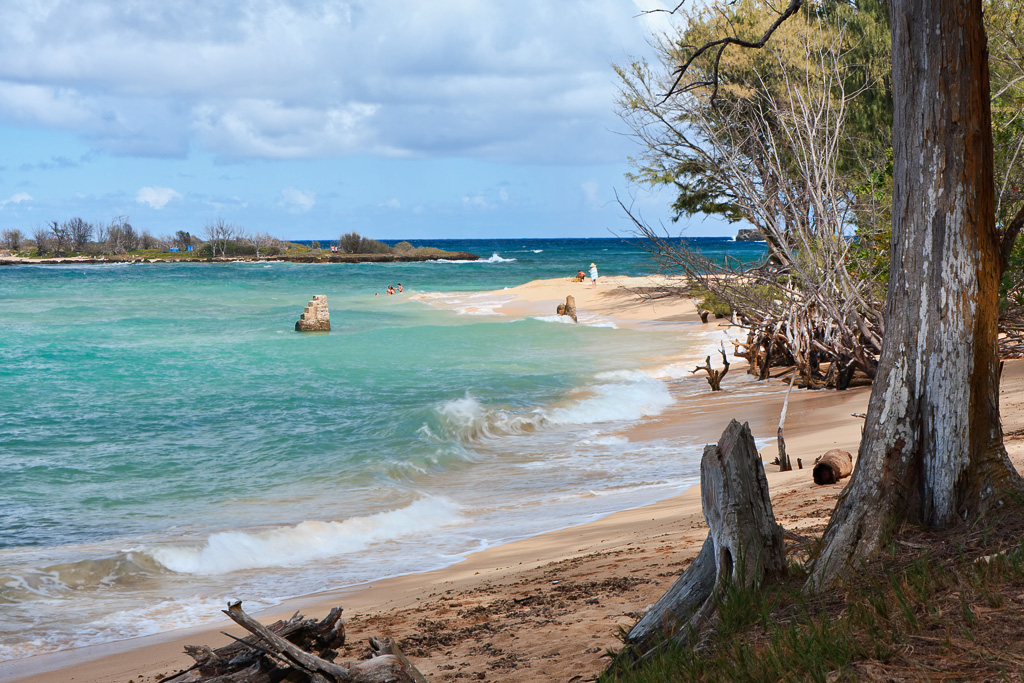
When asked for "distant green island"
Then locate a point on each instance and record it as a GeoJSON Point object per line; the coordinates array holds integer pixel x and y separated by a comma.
{"type": "Point", "coordinates": [77, 241]}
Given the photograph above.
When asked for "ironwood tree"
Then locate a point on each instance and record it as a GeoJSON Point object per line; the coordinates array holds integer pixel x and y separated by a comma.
{"type": "Point", "coordinates": [219, 233]}
{"type": "Point", "coordinates": [770, 144]}
{"type": "Point", "coordinates": [932, 451]}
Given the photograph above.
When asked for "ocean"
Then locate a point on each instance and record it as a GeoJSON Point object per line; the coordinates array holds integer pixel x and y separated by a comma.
{"type": "Point", "coordinates": [168, 442]}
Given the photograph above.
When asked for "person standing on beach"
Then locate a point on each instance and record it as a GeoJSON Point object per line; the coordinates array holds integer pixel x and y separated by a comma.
{"type": "Point", "coordinates": [593, 275]}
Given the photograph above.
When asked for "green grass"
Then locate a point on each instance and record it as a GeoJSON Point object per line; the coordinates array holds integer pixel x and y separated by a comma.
{"type": "Point", "coordinates": [952, 611]}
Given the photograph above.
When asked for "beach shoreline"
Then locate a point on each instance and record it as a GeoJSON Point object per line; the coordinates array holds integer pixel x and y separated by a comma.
{"type": "Point", "coordinates": [545, 607]}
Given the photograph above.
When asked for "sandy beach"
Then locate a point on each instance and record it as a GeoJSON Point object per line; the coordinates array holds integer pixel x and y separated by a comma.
{"type": "Point", "coordinates": [548, 607]}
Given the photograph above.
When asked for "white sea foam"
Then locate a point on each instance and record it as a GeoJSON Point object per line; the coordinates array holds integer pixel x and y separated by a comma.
{"type": "Point", "coordinates": [495, 258]}
{"type": "Point", "coordinates": [291, 546]}
{"type": "Point", "coordinates": [468, 419]}
{"type": "Point", "coordinates": [708, 344]}
{"type": "Point", "coordinates": [476, 303]}
{"type": "Point", "coordinates": [583, 320]}
{"type": "Point", "coordinates": [561, 319]}
{"type": "Point", "coordinates": [679, 483]}
{"type": "Point", "coordinates": [630, 399]}
{"type": "Point", "coordinates": [166, 615]}
{"type": "Point", "coordinates": [617, 396]}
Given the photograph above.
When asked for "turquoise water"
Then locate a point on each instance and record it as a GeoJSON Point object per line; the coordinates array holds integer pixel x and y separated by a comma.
{"type": "Point", "coordinates": [167, 441]}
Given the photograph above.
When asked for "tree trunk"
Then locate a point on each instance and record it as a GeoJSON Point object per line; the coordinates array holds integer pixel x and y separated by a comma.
{"type": "Point", "coordinates": [932, 450]}
{"type": "Point", "coordinates": [744, 543]}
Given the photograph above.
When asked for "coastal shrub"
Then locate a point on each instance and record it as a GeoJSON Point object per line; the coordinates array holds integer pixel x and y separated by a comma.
{"type": "Point", "coordinates": [429, 251]}
{"type": "Point", "coordinates": [403, 248]}
{"type": "Point", "coordinates": [349, 243]}
{"type": "Point", "coordinates": [712, 302]}
{"type": "Point", "coordinates": [354, 243]}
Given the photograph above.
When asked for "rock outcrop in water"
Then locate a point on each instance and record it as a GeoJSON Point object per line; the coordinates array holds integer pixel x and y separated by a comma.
{"type": "Point", "coordinates": [749, 235]}
{"type": "Point", "coordinates": [316, 317]}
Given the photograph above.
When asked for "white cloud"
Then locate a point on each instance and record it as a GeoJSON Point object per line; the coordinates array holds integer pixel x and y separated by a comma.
{"type": "Point", "coordinates": [391, 204]}
{"type": "Point", "coordinates": [156, 197]}
{"type": "Point", "coordinates": [16, 199]}
{"type": "Point", "coordinates": [590, 190]}
{"type": "Point", "coordinates": [269, 129]}
{"type": "Point", "coordinates": [297, 201]}
{"type": "Point", "coordinates": [525, 81]}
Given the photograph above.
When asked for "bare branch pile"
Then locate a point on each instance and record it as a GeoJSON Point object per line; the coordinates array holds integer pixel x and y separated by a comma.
{"type": "Point", "coordinates": [298, 650]}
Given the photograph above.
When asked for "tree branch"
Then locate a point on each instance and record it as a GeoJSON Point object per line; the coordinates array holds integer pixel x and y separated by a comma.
{"type": "Point", "coordinates": [722, 43]}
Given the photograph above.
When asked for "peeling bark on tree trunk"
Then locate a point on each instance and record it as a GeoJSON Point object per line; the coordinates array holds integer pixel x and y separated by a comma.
{"type": "Point", "coordinates": [932, 450]}
{"type": "Point", "coordinates": [744, 543]}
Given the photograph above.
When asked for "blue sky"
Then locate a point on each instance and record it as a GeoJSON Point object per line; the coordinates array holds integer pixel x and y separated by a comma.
{"type": "Point", "coordinates": [306, 119]}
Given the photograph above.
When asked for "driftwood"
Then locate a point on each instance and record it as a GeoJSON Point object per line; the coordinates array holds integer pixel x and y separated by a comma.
{"type": "Point", "coordinates": [784, 463]}
{"type": "Point", "coordinates": [744, 546]}
{"type": "Point", "coordinates": [299, 650]}
{"type": "Point", "coordinates": [568, 308]}
{"type": "Point", "coordinates": [714, 376]}
{"type": "Point", "coordinates": [831, 467]}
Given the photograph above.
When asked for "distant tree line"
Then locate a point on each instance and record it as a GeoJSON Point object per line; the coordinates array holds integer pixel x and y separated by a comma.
{"type": "Point", "coordinates": [76, 236]}
{"type": "Point", "coordinates": [218, 238]}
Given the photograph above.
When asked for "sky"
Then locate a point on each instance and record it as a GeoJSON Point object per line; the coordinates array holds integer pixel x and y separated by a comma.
{"type": "Point", "coordinates": [307, 119]}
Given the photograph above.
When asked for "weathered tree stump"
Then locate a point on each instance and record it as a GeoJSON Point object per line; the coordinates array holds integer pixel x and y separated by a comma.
{"type": "Point", "coordinates": [744, 545]}
{"type": "Point", "coordinates": [831, 467]}
{"type": "Point", "coordinates": [316, 317]}
{"type": "Point", "coordinates": [568, 308]}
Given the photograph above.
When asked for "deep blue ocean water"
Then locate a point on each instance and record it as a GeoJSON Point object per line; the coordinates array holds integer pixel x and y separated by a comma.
{"type": "Point", "coordinates": [167, 441]}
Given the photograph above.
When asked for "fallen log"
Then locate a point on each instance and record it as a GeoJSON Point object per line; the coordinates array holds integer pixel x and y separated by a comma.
{"type": "Point", "coordinates": [831, 467]}
{"type": "Point", "coordinates": [744, 546]}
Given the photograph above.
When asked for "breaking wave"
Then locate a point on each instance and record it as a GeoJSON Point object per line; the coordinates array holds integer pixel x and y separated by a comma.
{"type": "Point", "coordinates": [305, 542]}
{"type": "Point", "coordinates": [617, 396]}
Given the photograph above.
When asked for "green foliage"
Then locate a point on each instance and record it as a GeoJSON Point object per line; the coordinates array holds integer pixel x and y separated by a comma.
{"type": "Point", "coordinates": [354, 243]}
{"type": "Point", "coordinates": [709, 301]}
{"type": "Point", "coordinates": [403, 248]}
{"type": "Point", "coordinates": [748, 79]}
